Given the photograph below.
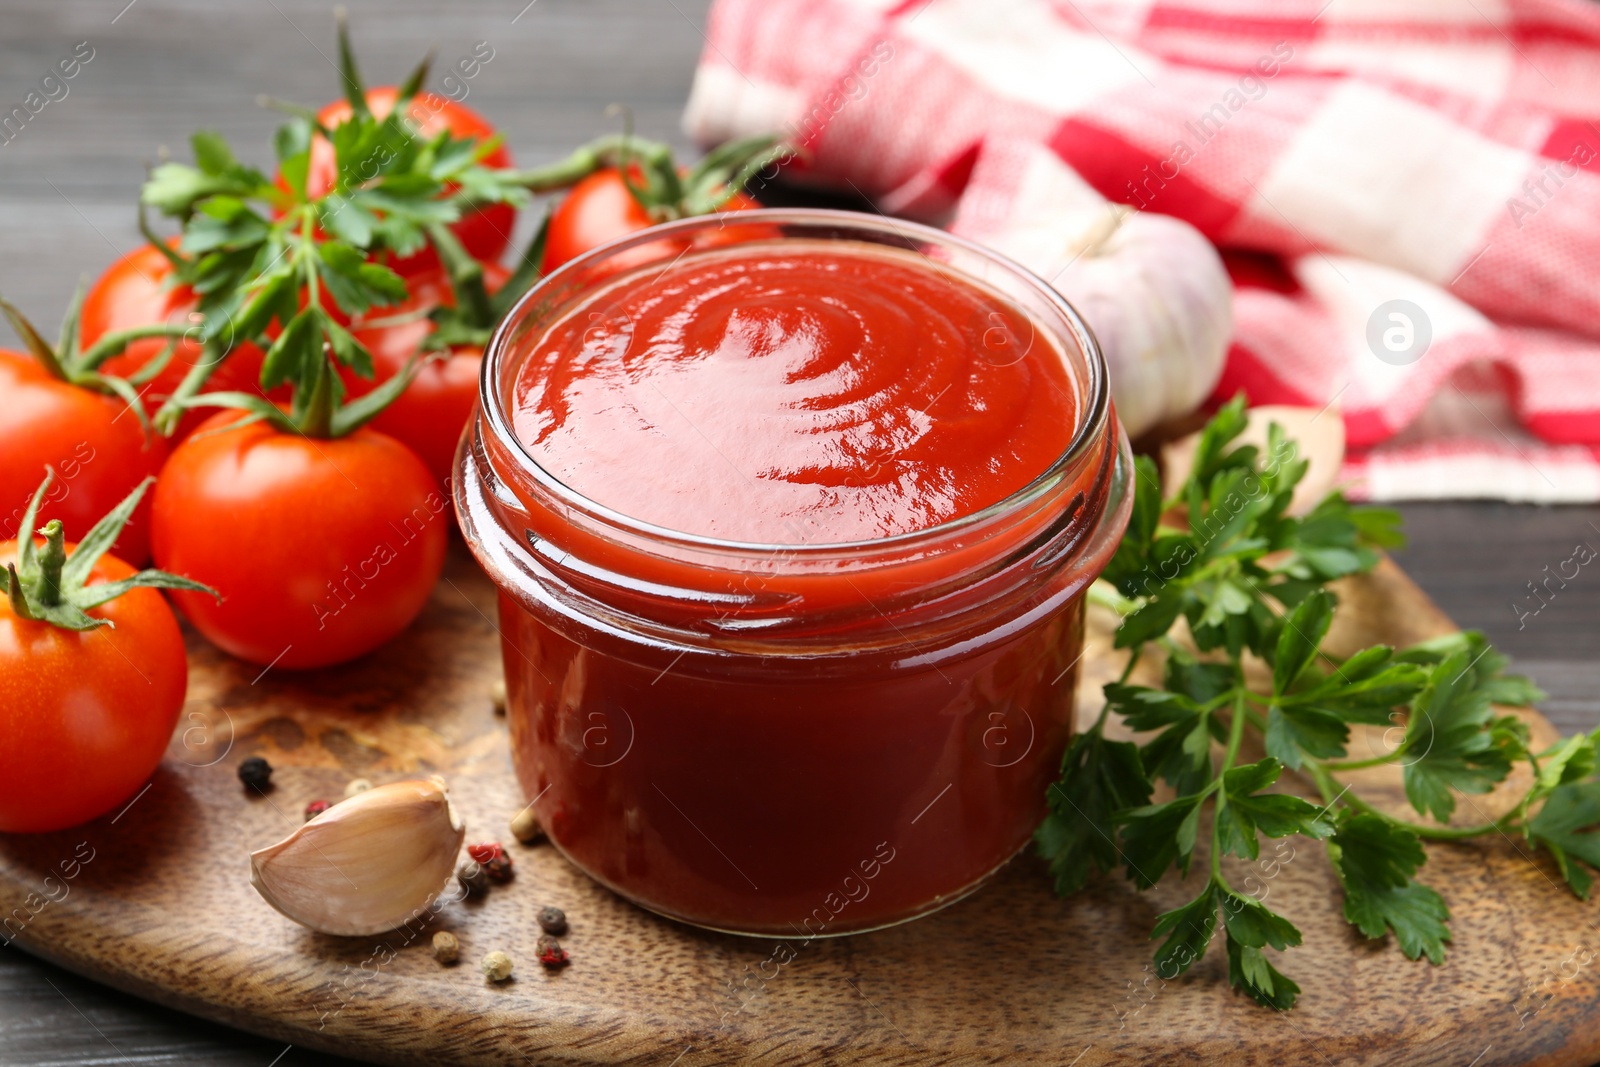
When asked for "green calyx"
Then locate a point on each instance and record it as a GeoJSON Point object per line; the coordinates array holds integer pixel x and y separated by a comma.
{"type": "Point", "coordinates": [49, 585]}
{"type": "Point", "coordinates": [69, 362]}
{"type": "Point", "coordinates": [476, 311]}
{"type": "Point", "coordinates": [652, 175]}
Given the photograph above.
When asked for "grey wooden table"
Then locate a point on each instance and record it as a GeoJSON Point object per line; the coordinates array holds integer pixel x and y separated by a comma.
{"type": "Point", "coordinates": [162, 68]}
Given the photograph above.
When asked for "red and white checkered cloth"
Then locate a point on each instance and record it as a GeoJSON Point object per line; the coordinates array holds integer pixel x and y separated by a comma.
{"type": "Point", "coordinates": [1342, 153]}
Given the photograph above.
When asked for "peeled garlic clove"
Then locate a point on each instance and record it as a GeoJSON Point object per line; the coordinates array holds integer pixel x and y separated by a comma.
{"type": "Point", "coordinates": [366, 865]}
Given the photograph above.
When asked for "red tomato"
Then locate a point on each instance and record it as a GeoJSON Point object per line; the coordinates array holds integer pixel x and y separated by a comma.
{"type": "Point", "coordinates": [95, 443]}
{"type": "Point", "coordinates": [322, 550]}
{"type": "Point", "coordinates": [132, 292]}
{"type": "Point", "coordinates": [86, 716]}
{"type": "Point", "coordinates": [430, 415]}
{"type": "Point", "coordinates": [600, 209]}
{"type": "Point", "coordinates": [485, 233]}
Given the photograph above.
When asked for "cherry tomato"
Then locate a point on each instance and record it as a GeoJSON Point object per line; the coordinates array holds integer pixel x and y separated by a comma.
{"type": "Point", "coordinates": [86, 716]}
{"type": "Point", "coordinates": [429, 416]}
{"type": "Point", "coordinates": [599, 209]}
{"type": "Point", "coordinates": [485, 233]}
{"type": "Point", "coordinates": [94, 442]}
{"type": "Point", "coordinates": [322, 549]}
{"type": "Point", "coordinates": [133, 292]}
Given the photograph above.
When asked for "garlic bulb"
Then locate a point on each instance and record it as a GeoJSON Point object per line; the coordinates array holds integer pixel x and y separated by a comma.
{"type": "Point", "coordinates": [1155, 294]}
{"type": "Point", "coordinates": [1151, 287]}
{"type": "Point", "coordinates": [367, 864]}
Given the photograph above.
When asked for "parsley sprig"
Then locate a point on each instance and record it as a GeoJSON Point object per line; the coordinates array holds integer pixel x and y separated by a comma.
{"type": "Point", "coordinates": [1250, 582]}
{"type": "Point", "coordinates": [272, 264]}
{"type": "Point", "coordinates": [273, 259]}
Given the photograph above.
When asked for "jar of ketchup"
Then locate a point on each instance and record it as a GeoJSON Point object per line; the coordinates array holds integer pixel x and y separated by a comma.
{"type": "Point", "coordinates": [792, 513]}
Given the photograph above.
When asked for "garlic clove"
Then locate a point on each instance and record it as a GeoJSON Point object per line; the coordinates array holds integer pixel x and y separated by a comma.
{"type": "Point", "coordinates": [366, 865]}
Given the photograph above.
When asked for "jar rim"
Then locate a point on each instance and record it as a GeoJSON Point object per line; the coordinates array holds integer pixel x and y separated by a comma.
{"type": "Point", "coordinates": [1091, 428]}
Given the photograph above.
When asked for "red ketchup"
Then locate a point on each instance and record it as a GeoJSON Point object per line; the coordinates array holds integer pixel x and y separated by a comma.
{"type": "Point", "coordinates": [791, 530]}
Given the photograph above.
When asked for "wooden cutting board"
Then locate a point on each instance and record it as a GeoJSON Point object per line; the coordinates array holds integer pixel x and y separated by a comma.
{"type": "Point", "coordinates": [161, 906]}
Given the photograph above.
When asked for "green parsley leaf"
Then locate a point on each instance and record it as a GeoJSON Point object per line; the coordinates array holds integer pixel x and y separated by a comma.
{"type": "Point", "coordinates": [1250, 927]}
{"type": "Point", "coordinates": [1188, 931]}
{"type": "Point", "coordinates": [1156, 836]}
{"type": "Point", "coordinates": [1447, 747]}
{"type": "Point", "coordinates": [1247, 811]}
{"type": "Point", "coordinates": [1376, 861]}
{"type": "Point", "coordinates": [1568, 827]}
{"type": "Point", "coordinates": [1301, 637]}
{"type": "Point", "coordinates": [1250, 971]}
{"type": "Point", "coordinates": [1098, 779]}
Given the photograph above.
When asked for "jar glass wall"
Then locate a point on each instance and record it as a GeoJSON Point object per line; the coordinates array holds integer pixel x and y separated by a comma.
{"type": "Point", "coordinates": [806, 738]}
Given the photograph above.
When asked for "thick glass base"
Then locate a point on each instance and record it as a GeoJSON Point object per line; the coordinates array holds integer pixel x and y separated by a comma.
{"type": "Point", "coordinates": [796, 930]}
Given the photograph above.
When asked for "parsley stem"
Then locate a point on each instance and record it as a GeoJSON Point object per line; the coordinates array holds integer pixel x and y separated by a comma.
{"type": "Point", "coordinates": [1329, 787]}
{"type": "Point", "coordinates": [1363, 764]}
{"type": "Point", "coordinates": [1127, 668]}
{"type": "Point", "coordinates": [1235, 739]}
{"type": "Point", "coordinates": [1235, 730]}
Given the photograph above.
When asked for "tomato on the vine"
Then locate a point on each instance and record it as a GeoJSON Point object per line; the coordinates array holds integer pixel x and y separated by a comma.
{"type": "Point", "coordinates": [93, 674]}
{"type": "Point", "coordinates": [134, 291]}
{"type": "Point", "coordinates": [486, 232]}
{"type": "Point", "coordinates": [321, 548]}
{"type": "Point", "coordinates": [429, 416]}
{"type": "Point", "coordinates": [600, 209]}
{"type": "Point", "coordinates": [93, 441]}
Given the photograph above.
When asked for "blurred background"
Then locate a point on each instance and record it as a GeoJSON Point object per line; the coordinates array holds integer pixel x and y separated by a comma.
{"type": "Point", "coordinates": [160, 69]}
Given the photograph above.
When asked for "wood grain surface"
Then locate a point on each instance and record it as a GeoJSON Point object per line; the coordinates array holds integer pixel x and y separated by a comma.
{"type": "Point", "coordinates": [161, 906]}
{"type": "Point", "coordinates": [165, 67]}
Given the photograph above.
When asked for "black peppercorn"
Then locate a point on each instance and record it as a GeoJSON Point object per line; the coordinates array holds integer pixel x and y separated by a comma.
{"type": "Point", "coordinates": [553, 921]}
{"type": "Point", "coordinates": [472, 877]}
{"type": "Point", "coordinates": [256, 773]}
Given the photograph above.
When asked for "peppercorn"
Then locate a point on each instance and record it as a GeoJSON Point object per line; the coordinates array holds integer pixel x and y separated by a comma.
{"type": "Point", "coordinates": [551, 954]}
{"type": "Point", "coordinates": [525, 826]}
{"type": "Point", "coordinates": [315, 808]}
{"type": "Point", "coordinates": [552, 920]}
{"type": "Point", "coordinates": [499, 869]}
{"type": "Point", "coordinates": [486, 851]}
{"type": "Point", "coordinates": [473, 878]}
{"type": "Point", "coordinates": [256, 773]}
{"type": "Point", "coordinates": [496, 966]}
{"type": "Point", "coordinates": [356, 786]}
{"type": "Point", "coordinates": [446, 949]}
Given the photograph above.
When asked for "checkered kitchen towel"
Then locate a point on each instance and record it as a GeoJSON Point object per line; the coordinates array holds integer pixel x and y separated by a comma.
{"type": "Point", "coordinates": [1407, 192]}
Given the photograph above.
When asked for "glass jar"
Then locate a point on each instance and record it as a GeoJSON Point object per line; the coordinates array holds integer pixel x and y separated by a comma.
{"type": "Point", "coordinates": [801, 739]}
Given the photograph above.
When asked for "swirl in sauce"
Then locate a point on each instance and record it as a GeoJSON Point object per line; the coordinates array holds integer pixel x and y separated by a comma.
{"type": "Point", "coordinates": [794, 392]}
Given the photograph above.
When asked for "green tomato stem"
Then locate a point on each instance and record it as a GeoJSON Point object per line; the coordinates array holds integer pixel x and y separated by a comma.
{"type": "Point", "coordinates": [605, 152]}
{"type": "Point", "coordinates": [167, 416]}
{"type": "Point", "coordinates": [113, 344]}
{"type": "Point", "coordinates": [466, 275]}
{"type": "Point", "coordinates": [51, 558]}
{"type": "Point", "coordinates": [318, 418]}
